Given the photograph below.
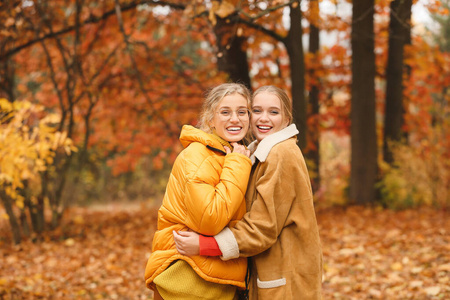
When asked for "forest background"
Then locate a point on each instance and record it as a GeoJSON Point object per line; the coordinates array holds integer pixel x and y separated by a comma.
{"type": "Point", "coordinates": [93, 95]}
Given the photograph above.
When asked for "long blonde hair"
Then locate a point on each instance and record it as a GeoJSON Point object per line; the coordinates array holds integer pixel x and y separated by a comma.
{"type": "Point", "coordinates": [213, 98]}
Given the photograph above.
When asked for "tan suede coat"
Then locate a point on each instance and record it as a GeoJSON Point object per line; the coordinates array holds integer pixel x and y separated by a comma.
{"type": "Point", "coordinates": [279, 231]}
{"type": "Point", "coordinates": [205, 193]}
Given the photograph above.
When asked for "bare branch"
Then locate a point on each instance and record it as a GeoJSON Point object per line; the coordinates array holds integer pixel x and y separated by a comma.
{"type": "Point", "coordinates": [267, 11]}
{"type": "Point", "coordinates": [90, 20]}
{"type": "Point", "coordinates": [134, 64]}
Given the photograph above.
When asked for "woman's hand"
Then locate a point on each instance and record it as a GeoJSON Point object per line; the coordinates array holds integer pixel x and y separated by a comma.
{"type": "Point", "coordinates": [237, 148]}
{"type": "Point", "coordinates": [187, 242]}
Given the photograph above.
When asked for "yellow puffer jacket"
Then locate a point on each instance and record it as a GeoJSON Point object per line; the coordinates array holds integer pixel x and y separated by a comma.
{"type": "Point", "coordinates": [205, 193]}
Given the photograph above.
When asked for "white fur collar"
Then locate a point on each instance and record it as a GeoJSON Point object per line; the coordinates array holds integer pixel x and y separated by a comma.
{"type": "Point", "coordinates": [264, 147]}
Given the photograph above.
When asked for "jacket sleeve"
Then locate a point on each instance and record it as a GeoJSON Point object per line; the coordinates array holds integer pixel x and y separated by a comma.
{"type": "Point", "coordinates": [210, 205]}
{"type": "Point", "coordinates": [268, 215]}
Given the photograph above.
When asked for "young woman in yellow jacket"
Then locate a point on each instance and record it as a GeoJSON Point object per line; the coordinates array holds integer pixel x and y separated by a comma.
{"type": "Point", "coordinates": [205, 193]}
{"type": "Point", "coordinates": [279, 232]}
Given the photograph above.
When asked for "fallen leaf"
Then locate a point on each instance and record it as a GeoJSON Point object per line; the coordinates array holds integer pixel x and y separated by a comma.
{"type": "Point", "coordinates": [432, 291]}
{"type": "Point", "coordinates": [69, 242]}
{"type": "Point", "coordinates": [416, 284]}
{"type": "Point", "coordinates": [445, 267]}
{"type": "Point", "coordinates": [397, 266]}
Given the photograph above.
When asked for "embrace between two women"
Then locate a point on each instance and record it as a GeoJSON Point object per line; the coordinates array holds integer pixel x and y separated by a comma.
{"type": "Point", "coordinates": [236, 217]}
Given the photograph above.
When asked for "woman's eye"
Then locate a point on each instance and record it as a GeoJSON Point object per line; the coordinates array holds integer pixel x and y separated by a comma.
{"type": "Point", "coordinates": [274, 112]}
{"type": "Point", "coordinates": [225, 113]}
{"type": "Point", "coordinates": [256, 111]}
{"type": "Point", "coordinates": [242, 112]}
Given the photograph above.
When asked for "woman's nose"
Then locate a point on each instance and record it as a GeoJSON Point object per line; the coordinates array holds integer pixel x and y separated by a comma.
{"type": "Point", "coordinates": [234, 117]}
{"type": "Point", "coordinates": [264, 117]}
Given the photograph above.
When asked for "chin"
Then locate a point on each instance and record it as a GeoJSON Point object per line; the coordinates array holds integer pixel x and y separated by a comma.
{"type": "Point", "coordinates": [259, 138]}
{"type": "Point", "coordinates": [235, 139]}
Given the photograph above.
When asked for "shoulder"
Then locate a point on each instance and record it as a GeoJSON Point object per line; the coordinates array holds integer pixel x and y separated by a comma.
{"type": "Point", "coordinates": [196, 153]}
{"type": "Point", "coordinates": [285, 150]}
{"type": "Point", "coordinates": [286, 157]}
{"type": "Point", "coordinates": [197, 156]}
{"type": "Point", "coordinates": [286, 160]}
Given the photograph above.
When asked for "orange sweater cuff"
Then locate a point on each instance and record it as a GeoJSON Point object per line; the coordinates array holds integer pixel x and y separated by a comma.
{"type": "Point", "coordinates": [209, 246]}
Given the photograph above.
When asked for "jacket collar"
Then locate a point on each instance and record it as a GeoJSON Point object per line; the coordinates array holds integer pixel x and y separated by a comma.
{"type": "Point", "coordinates": [263, 148]}
{"type": "Point", "coordinates": [190, 134]}
{"type": "Point", "coordinates": [221, 140]}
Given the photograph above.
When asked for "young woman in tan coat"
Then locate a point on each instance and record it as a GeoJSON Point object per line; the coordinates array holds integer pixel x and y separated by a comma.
{"type": "Point", "coordinates": [279, 231]}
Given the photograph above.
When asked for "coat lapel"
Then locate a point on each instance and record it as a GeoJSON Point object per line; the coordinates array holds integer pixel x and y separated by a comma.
{"type": "Point", "coordinates": [261, 151]}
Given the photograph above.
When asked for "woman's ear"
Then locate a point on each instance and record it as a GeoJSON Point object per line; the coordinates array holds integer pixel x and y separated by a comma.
{"type": "Point", "coordinates": [211, 124]}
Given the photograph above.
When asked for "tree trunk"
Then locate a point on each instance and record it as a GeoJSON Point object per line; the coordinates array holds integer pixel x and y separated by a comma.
{"type": "Point", "coordinates": [7, 65]}
{"type": "Point", "coordinates": [15, 228]}
{"type": "Point", "coordinates": [7, 74]}
{"type": "Point", "coordinates": [60, 204]}
{"type": "Point", "coordinates": [232, 57]}
{"type": "Point", "coordinates": [24, 223]}
{"type": "Point", "coordinates": [314, 131]}
{"type": "Point", "coordinates": [294, 47]}
{"type": "Point", "coordinates": [37, 215]}
{"type": "Point", "coordinates": [399, 35]}
{"type": "Point", "coordinates": [25, 193]}
{"type": "Point", "coordinates": [363, 124]}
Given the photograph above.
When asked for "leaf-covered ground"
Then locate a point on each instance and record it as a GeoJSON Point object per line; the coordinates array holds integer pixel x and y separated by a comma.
{"type": "Point", "coordinates": [101, 254]}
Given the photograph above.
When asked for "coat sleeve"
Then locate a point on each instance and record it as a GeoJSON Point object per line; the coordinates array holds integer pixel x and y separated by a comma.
{"type": "Point", "coordinates": [211, 205]}
{"type": "Point", "coordinates": [268, 215]}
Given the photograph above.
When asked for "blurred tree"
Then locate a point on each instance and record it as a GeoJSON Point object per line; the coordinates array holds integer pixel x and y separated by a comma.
{"type": "Point", "coordinates": [268, 21]}
{"type": "Point", "coordinates": [313, 148]}
{"type": "Point", "coordinates": [265, 17]}
{"type": "Point", "coordinates": [77, 65]}
{"type": "Point", "coordinates": [12, 15]}
{"type": "Point", "coordinates": [399, 36]}
{"type": "Point", "coordinates": [294, 46]}
{"type": "Point", "coordinates": [29, 143]}
{"type": "Point", "coordinates": [126, 74]}
{"type": "Point", "coordinates": [363, 126]}
{"type": "Point", "coordinates": [232, 54]}
{"type": "Point", "coordinates": [442, 37]}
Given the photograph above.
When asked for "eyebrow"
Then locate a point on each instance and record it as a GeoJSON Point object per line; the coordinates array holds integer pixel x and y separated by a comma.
{"type": "Point", "coordinates": [227, 107]}
{"type": "Point", "coordinates": [272, 107]}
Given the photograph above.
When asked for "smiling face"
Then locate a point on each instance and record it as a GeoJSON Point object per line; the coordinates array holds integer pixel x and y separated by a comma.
{"type": "Point", "coordinates": [231, 118]}
{"type": "Point", "coordinates": [267, 115]}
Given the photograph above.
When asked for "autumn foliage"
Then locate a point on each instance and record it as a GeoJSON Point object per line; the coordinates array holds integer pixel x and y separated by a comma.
{"type": "Point", "coordinates": [93, 95]}
{"type": "Point", "coordinates": [28, 145]}
{"type": "Point", "coordinates": [126, 75]}
{"type": "Point", "coordinates": [29, 142]}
